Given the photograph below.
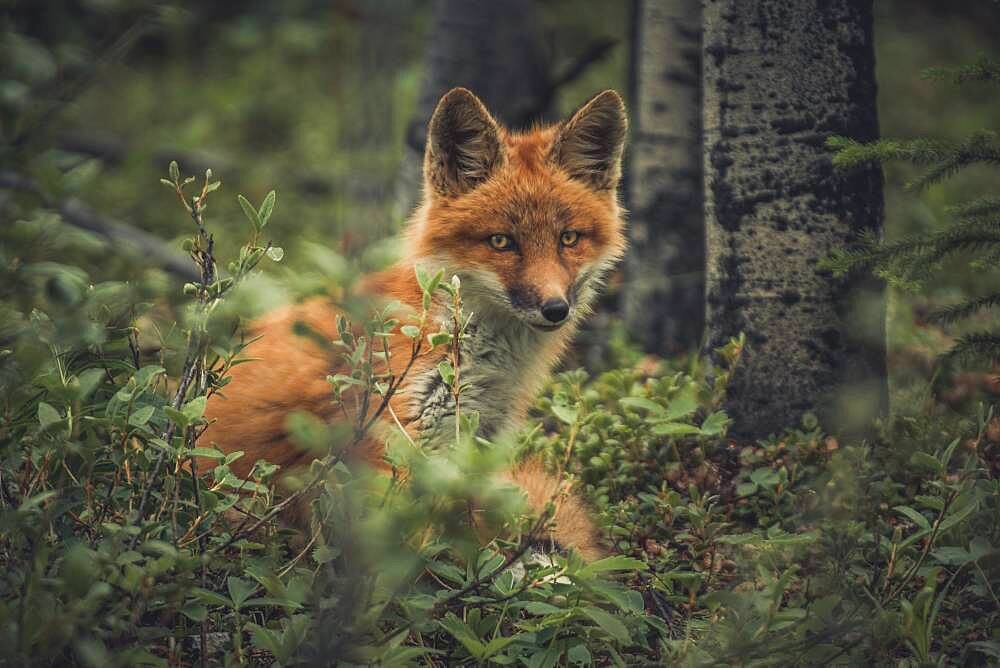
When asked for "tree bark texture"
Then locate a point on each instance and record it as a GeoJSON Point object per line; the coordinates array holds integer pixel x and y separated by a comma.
{"type": "Point", "coordinates": [496, 50]}
{"type": "Point", "coordinates": [779, 77]}
{"type": "Point", "coordinates": [663, 294]}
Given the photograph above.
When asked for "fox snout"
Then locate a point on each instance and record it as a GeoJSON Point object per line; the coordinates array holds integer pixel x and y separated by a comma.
{"type": "Point", "coordinates": [545, 309]}
{"type": "Point", "coordinates": [555, 310]}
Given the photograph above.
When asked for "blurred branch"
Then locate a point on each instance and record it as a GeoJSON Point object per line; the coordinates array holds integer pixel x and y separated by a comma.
{"type": "Point", "coordinates": [113, 150]}
{"type": "Point", "coordinates": [121, 236]}
{"type": "Point", "coordinates": [67, 92]}
{"type": "Point", "coordinates": [592, 54]}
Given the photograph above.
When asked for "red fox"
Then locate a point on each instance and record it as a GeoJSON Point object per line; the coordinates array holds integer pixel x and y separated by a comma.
{"type": "Point", "coordinates": [530, 223]}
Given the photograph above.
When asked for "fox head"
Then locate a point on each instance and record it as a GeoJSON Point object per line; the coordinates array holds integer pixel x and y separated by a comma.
{"type": "Point", "coordinates": [529, 221]}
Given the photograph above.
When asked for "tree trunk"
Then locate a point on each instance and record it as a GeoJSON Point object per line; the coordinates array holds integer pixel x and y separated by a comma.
{"type": "Point", "coordinates": [494, 49]}
{"type": "Point", "coordinates": [779, 78]}
{"type": "Point", "coordinates": [663, 294]}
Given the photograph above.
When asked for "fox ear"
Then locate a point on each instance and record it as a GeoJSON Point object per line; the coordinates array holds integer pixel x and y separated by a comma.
{"type": "Point", "coordinates": [589, 145]}
{"type": "Point", "coordinates": [463, 144]}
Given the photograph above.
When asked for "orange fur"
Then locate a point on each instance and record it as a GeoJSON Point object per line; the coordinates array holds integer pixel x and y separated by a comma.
{"type": "Point", "coordinates": [480, 181]}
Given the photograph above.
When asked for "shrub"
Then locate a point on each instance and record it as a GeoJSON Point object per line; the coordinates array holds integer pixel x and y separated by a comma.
{"type": "Point", "coordinates": [116, 551]}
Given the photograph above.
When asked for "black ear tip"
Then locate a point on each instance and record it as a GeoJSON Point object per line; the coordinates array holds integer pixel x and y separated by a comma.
{"type": "Point", "coordinates": [458, 96]}
{"type": "Point", "coordinates": [606, 108]}
{"type": "Point", "coordinates": [611, 97]}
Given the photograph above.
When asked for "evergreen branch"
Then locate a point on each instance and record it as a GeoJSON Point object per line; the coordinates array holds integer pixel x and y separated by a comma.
{"type": "Point", "coordinates": [913, 255]}
{"type": "Point", "coordinates": [943, 158]}
{"type": "Point", "coordinates": [852, 153]}
{"type": "Point", "coordinates": [977, 346]}
{"type": "Point", "coordinates": [979, 147]}
{"type": "Point", "coordinates": [977, 208]}
{"type": "Point", "coordinates": [962, 310]}
{"type": "Point", "coordinates": [984, 69]}
{"type": "Point", "coordinates": [988, 261]}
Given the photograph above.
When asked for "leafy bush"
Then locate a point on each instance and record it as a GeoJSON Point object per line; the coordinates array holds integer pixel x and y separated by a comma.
{"type": "Point", "coordinates": [117, 551]}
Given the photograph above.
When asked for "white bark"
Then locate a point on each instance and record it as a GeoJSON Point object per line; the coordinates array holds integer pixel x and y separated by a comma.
{"type": "Point", "coordinates": [663, 294]}
{"type": "Point", "coordinates": [780, 77]}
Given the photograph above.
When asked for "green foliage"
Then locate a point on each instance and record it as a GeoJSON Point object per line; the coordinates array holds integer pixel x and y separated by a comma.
{"type": "Point", "coordinates": [779, 553]}
{"type": "Point", "coordinates": [795, 551]}
{"type": "Point", "coordinates": [909, 262]}
{"type": "Point", "coordinates": [116, 552]}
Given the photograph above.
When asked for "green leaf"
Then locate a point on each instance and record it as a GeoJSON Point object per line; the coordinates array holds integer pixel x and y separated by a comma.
{"type": "Point", "coordinates": [195, 612]}
{"type": "Point", "coordinates": [47, 415]}
{"type": "Point", "coordinates": [765, 477]}
{"type": "Point", "coordinates": [674, 429]}
{"type": "Point", "coordinates": [948, 452]}
{"type": "Point", "coordinates": [746, 489]}
{"type": "Point", "coordinates": [952, 556]}
{"type": "Point", "coordinates": [276, 253]}
{"type": "Point", "coordinates": [715, 424]}
{"type": "Point", "coordinates": [913, 516]}
{"type": "Point", "coordinates": [579, 655]}
{"type": "Point", "coordinates": [932, 502]}
{"type": "Point", "coordinates": [175, 171]}
{"type": "Point", "coordinates": [89, 380]}
{"type": "Point", "coordinates": [146, 375]}
{"type": "Point", "coordinates": [207, 453]}
{"type": "Point", "coordinates": [411, 331]}
{"type": "Point", "coordinates": [463, 634]}
{"type": "Point", "coordinates": [194, 409]}
{"type": "Point", "coordinates": [683, 404]}
{"type": "Point", "coordinates": [540, 608]}
{"type": "Point", "coordinates": [447, 372]}
{"type": "Point", "coordinates": [565, 413]}
{"type": "Point", "coordinates": [926, 462]}
{"type": "Point", "coordinates": [614, 563]}
{"type": "Point", "coordinates": [266, 208]}
{"type": "Point", "coordinates": [36, 501]}
{"type": "Point", "coordinates": [211, 597]}
{"type": "Point", "coordinates": [141, 416]}
{"type": "Point", "coordinates": [546, 658]}
{"type": "Point", "coordinates": [498, 643]}
{"type": "Point", "coordinates": [239, 590]}
{"type": "Point", "coordinates": [267, 601]}
{"type": "Point", "coordinates": [176, 416]}
{"type": "Point", "coordinates": [266, 639]}
{"type": "Point", "coordinates": [616, 594]}
{"type": "Point", "coordinates": [250, 212]}
{"type": "Point", "coordinates": [608, 623]}
{"type": "Point", "coordinates": [643, 404]}
{"type": "Point", "coordinates": [439, 339]}
{"type": "Point", "coordinates": [421, 277]}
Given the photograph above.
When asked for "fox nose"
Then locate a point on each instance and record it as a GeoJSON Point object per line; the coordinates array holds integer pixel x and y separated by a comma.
{"type": "Point", "coordinates": [555, 310]}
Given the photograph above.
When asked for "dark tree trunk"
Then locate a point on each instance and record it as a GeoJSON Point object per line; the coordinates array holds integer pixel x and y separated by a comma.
{"type": "Point", "coordinates": [780, 77]}
{"type": "Point", "coordinates": [663, 295]}
{"type": "Point", "coordinates": [494, 49]}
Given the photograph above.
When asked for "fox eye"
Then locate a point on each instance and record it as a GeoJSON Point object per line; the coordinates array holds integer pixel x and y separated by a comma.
{"type": "Point", "coordinates": [569, 238]}
{"type": "Point", "coordinates": [501, 242]}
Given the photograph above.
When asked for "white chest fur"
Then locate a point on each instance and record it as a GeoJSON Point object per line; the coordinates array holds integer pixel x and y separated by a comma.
{"type": "Point", "coordinates": [496, 357]}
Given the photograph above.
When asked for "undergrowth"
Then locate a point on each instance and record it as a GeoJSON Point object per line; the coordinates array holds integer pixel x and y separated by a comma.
{"type": "Point", "coordinates": [797, 550]}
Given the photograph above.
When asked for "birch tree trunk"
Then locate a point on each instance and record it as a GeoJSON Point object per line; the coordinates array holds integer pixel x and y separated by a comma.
{"type": "Point", "coordinates": [663, 294]}
{"type": "Point", "coordinates": [780, 77]}
{"type": "Point", "coordinates": [495, 49]}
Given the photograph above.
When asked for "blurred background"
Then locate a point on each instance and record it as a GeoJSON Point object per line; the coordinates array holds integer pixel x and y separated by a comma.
{"type": "Point", "coordinates": [326, 103]}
